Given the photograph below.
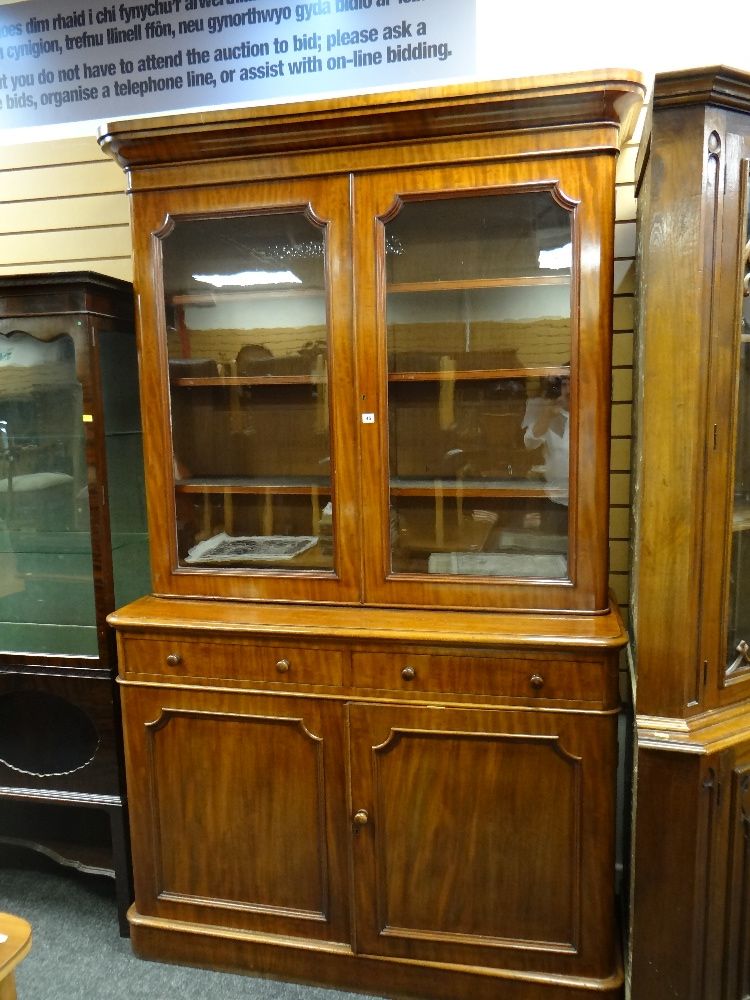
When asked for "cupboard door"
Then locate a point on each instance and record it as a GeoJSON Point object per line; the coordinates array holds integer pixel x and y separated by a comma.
{"type": "Point", "coordinates": [487, 376]}
{"type": "Point", "coordinates": [258, 783]}
{"type": "Point", "coordinates": [723, 658]}
{"type": "Point", "coordinates": [48, 590]}
{"type": "Point", "coordinates": [736, 591]}
{"type": "Point", "coordinates": [737, 945]}
{"type": "Point", "coordinates": [250, 430]}
{"type": "Point", "coordinates": [484, 837]}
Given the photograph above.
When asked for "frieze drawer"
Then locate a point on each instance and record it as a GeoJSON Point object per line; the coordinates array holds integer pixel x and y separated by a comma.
{"type": "Point", "coordinates": [231, 660]}
{"type": "Point", "coordinates": [518, 677]}
{"type": "Point", "coordinates": [179, 657]}
{"type": "Point", "coordinates": [299, 665]}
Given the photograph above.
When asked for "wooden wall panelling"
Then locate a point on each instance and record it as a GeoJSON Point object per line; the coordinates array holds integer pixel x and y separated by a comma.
{"type": "Point", "coordinates": [62, 208]}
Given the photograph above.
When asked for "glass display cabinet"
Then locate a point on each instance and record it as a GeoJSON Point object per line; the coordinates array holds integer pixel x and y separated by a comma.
{"type": "Point", "coordinates": [380, 566]}
{"type": "Point", "coordinates": [478, 355]}
{"type": "Point", "coordinates": [690, 596]}
{"type": "Point", "coordinates": [73, 545]}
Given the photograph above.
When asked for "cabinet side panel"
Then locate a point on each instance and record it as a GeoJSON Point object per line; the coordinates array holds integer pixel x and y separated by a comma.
{"type": "Point", "coordinates": [669, 881]}
{"type": "Point", "coordinates": [676, 215]}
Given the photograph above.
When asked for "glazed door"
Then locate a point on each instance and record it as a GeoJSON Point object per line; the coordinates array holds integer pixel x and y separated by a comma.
{"type": "Point", "coordinates": [483, 338]}
{"type": "Point", "coordinates": [47, 590]}
{"type": "Point", "coordinates": [248, 391]}
{"type": "Point", "coordinates": [736, 588]}
{"type": "Point", "coordinates": [484, 837]}
{"type": "Point", "coordinates": [725, 593]}
{"type": "Point", "coordinates": [237, 810]}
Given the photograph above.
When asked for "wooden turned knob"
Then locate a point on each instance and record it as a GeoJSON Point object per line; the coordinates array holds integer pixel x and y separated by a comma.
{"type": "Point", "coordinates": [408, 673]}
{"type": "Point", "coordinates": [536, 681]}
{"type": "Point", "coordinates": [361, 817]}
{"type": "Point", "coordinates": [174, 660]}
{"type": "Point", "coordinates": [283, 666]}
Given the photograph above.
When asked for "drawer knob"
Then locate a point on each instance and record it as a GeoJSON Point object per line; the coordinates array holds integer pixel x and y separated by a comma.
{"type": "Point", "coordinates": [361, 817]}
{"type": "Point", "coordinates": [536, 681]}
{"type": "Point", "coordinates": [283, 666]}
{"type": "Point", "coordinates": [174, 660]}
{"type": "Point", "coordinates": [408, 673]}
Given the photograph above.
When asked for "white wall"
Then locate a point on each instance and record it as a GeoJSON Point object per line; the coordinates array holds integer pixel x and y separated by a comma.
{"type": "Point", "coordinates": [528, 39]}
{"type": "Point", "coordinates": [518, 39]}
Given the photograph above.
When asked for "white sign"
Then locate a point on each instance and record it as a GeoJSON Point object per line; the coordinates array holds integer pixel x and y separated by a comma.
{"type": "Point", "coordinates": [122, 58]}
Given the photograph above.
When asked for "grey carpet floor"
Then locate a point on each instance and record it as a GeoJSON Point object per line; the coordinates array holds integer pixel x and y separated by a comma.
{"type": "Point", "coordinates": [77, 953]}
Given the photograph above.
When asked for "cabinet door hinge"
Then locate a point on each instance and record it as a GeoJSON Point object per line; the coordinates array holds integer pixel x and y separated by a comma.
{"type": "Point", "coordinates": [713, 783]}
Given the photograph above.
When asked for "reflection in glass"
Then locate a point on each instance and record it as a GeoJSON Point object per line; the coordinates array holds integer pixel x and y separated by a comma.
{"type": "Point", "coordinates": [46, 575]}
{"type": "Point", "coordinates": [248, 369]}
{"type": "Point", "coordinates": [479, 349]}
{"type": "Point", "coordinates": [738, 631]}
{"type": "Point", "coordinates": [125, 470]}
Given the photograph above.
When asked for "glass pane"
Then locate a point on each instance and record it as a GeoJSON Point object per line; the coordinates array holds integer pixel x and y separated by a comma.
{"type": "Point", "coordinates": [46, 575]}
{"type": "Point", "coordinates": [738, 638]}
{"type": "Point", "coordinates": [125, 473]}
{"type": "Point", "coordinates": [248, 364]}
{"type": "Point", "coordinates": [479, 349]}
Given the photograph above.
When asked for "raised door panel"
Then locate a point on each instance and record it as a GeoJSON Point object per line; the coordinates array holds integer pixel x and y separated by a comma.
{"type": "Point", "coordinates": [484, 346]}
{"type": "Point", "coordinates": [258, 783]}
{"type": "Point", "coordinates": [488, 837]}
{"type": "Point", "coordinates": [248, 390]}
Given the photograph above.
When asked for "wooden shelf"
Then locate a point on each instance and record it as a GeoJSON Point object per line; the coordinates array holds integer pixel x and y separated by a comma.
{"type": "Point", "coordinates": [741, 517]}
{"type": "Point", "coordinates": [286, 484]}
{"type": "Point", "coordinates": [92, 859]}
{"type": "Point", "coordinates": [474, 284]}
{"type": "Point", "coordinates": [474, 487]}
{"type": "Point", "coordinates": [478, 374]}
{"type": "Point", "coordinates": [228, 381]}
{"type": "Point", "coordinates": [243, 295]}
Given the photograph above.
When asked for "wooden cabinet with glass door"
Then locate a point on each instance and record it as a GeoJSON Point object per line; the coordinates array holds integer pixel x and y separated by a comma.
{"type": "Point", "coordinates": [254, 305]}
{"type": "Point", "coordinates": [367, 380]}
{"type": "Point", "coordinates": [488, 323]}
{"type": "Point", "coordinates": [690, 598]}
{"type": "Point", "coordinates": [73, 546]}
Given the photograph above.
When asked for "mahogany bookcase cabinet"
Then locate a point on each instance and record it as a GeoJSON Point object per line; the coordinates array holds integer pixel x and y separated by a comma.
{"type": "Point", "coordinates": [370, 711]}
{"type": "Point", "coordinates": [73, 546]}
{"type": "Point", "coordinates": [691, 603]}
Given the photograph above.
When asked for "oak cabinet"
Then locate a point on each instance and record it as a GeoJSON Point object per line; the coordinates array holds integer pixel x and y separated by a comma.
{"type": "Point", "coordinates": [381, 657]}
{"type": "Point", "coordinates": [690, 607]}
